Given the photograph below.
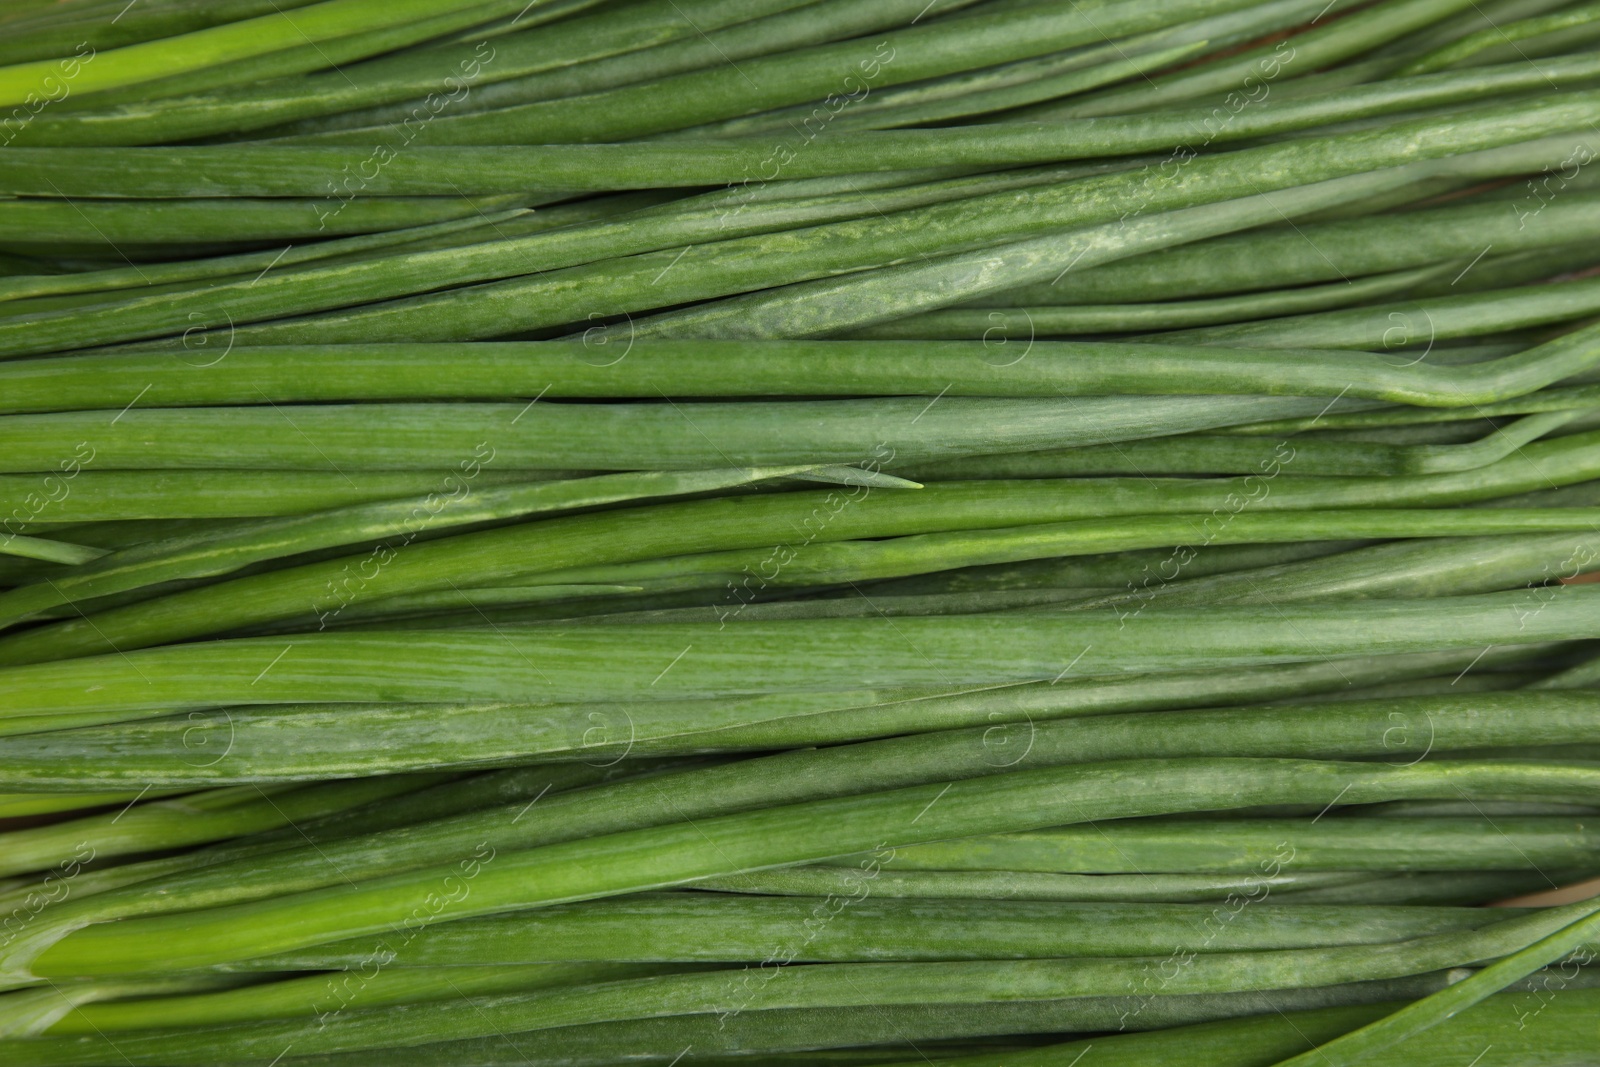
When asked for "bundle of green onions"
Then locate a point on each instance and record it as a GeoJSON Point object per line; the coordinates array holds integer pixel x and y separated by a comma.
{"type": "Point", "coordinates": [1009, 533]}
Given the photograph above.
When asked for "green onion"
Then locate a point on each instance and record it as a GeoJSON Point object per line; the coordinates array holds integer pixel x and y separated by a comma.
{"type": "Point", "coordinates": [455, 504]}
{"type": "Point", "coordinates": [801, 531]}
{"type": "Point", "coordinates": [1489, 1031]}
{"type": "Point", "coordinates": [662, 856]}
{"type": "Point", "coordinates": [1468, 46]}
{"type": "Point", "coordinates": [235, 41]}
{"type": "Point", "coordinates": [47, 550]}
{"type": "Point", "coordinates": [187, 820]}
{"type": "Point", "coordinates": [909, 54]}
{"type": "Point", "coordinates": [1414, 1018]}
{"type": "Point", "coordinates": [841, 985]}
{"type": "Point", "coordinates": [1334, 843]}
